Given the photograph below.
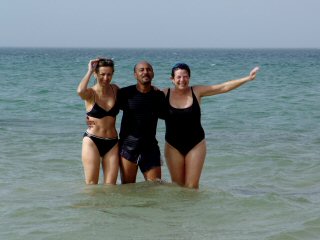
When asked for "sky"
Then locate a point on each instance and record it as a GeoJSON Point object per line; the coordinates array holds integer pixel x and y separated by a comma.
{"type": "Point", "coordinates": [160, 23]}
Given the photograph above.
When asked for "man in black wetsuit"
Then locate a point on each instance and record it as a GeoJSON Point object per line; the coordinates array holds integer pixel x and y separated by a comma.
{"type": "Point", "coordinates": [142, 105]}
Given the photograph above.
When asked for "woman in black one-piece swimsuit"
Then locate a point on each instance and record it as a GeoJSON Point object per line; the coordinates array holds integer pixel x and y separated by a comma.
{"type": "Point", "coordinates": [185, 147]}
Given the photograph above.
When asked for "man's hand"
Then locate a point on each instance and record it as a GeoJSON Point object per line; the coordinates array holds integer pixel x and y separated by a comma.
{"type": "Point", "coordinates": [89, 122]}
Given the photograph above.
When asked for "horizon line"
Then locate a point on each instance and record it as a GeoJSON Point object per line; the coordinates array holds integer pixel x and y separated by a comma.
{"type": "Point", "coordinates": [182, 48]}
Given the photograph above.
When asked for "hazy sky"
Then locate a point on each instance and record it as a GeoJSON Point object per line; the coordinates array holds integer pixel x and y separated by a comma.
{"type": "Point", "coordinates": [160, 23]}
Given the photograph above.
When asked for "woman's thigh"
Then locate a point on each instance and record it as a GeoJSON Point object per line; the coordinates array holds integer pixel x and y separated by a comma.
{"type": "Point", "coordinates": [110, 165]}
{"type": "Point", "coordinates": [176, 164]}
{"type": "Point", "coordinates": [90, 161]}
{"type": "Point", "coordinates": [194, 164]}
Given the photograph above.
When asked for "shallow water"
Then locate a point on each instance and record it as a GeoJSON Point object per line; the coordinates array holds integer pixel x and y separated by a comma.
{"type": "Point", "coordinates": [260, 179]}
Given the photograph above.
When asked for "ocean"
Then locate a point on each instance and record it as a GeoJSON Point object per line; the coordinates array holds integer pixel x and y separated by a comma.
{"type": "Point", "coordinates": [261, 175]}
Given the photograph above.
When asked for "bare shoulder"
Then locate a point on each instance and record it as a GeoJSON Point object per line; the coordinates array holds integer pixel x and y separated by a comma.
{"type": "Point", "coordinates": [198, 89]}
{"type": "Point", "coordinates": [115, 86]}
{"type": "Point", "coordinates": [165, 91]}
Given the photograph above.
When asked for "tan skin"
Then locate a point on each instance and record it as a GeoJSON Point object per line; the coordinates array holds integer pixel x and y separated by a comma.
{"type": "Point", "coordinates": [186, 170]}
{"type": "Point", "coordinates": [103, 93]}
{"type": "Point", "coordinates": [144, 75]}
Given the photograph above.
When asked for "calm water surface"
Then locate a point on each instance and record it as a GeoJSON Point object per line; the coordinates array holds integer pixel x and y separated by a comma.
{"type": "Point", "coordinates": [260, 180]}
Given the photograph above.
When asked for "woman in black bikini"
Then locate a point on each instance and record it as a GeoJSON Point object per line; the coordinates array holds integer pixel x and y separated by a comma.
{"type": "Point", "coordinates": [100, 141]}
{"type": "Point", "coordinates": [185, 147]}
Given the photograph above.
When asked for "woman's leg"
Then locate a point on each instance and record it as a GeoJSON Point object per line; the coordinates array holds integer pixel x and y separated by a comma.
{"type": "Point", "coordinates": [110, 165]}
{"type": "Point", "coordinates": [194, 164]}
{"type": "Point", "coordinates": [90, 161]}
{"type": "Point", "coordinates": [175, 163]}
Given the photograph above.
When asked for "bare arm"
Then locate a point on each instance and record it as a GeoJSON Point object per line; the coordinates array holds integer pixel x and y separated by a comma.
{"type": "Point", "coordinates": [82, 89]}
{"type": "Point", "coordinates": [226, 86]}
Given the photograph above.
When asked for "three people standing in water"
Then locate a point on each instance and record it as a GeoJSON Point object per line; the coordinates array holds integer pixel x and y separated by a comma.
{"type": "Point", "coordinates": [142, 105]}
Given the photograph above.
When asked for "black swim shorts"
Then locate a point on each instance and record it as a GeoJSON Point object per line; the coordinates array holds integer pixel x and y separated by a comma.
{"type": "Point", "coordinates": [146, 158]}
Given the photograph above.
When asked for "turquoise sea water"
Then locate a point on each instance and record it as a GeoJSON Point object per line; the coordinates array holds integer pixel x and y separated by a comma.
{"type": "Point", "coordinates": [261, 176]}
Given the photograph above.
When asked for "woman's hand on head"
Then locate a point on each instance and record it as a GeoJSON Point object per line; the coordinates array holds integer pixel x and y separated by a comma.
{"type": "Point", "coordinates": [92, 64]}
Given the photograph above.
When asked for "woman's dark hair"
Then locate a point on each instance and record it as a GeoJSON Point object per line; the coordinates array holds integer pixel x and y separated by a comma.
{"type": "Point", "coordinates": [182, 66]}
{"type": "Point", "coordinates": [104, 62]}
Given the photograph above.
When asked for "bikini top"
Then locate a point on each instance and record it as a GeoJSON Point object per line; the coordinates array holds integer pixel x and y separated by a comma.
{"type": "Point", "coordinates": [98, 112]}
